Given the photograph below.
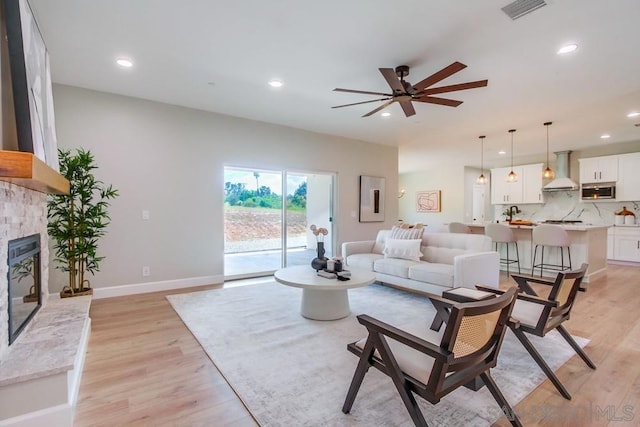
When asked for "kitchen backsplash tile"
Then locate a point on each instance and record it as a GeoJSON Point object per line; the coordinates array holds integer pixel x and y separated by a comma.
{"type": "Point", "coordinates": [568, 205]}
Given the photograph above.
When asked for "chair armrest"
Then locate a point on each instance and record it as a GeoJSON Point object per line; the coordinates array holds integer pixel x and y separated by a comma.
{"type": "Point", "coordinates": [488, 289]}
{"type": "Point", "coordinates": [405, 338]}
{"type": "Point", "coordinates": [479, 267]}
{"type": "Point", "coordinates": [524, 297]}
{"type": "Point", "coordinates": [362, 247]}
{"type": "Point", "coordinates": [523, 283]}
{"type": "Point", "coordinates": [438, 299]}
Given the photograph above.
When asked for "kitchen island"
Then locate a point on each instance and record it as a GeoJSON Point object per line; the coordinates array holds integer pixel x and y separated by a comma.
{"type": "Point", "coordinates": [588, 244]}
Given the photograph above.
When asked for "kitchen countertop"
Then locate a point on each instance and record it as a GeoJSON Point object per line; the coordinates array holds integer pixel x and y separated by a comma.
{"type": "Point", "coordinates": [568, 227]}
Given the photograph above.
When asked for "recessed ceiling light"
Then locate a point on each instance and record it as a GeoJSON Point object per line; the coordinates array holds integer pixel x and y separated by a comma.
{"type": "Point", "coordinates": [385, 114]}
{"type": "Point", "coordinates": [275, 83]}
{"type": "Point", "coordinates": [567, 49]}
{"type": "Point", "coordinates": [502, 152]}
{"type": "Point", "coordinates": [124, 62]}
{"type": "Point", "coordinates": [633, 114]}
{"type": "Point", "coordinates": [605, 136]}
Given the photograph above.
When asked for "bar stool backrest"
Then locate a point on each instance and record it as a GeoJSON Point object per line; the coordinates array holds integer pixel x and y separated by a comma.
{"type": "Point", "coordinates": [499, 233]}
{"type": "Point", "coordinates": [550, 235]}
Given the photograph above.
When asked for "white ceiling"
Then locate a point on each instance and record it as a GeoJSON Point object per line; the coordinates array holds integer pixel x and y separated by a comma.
{"type": "Point", "coordinates": [218, 56]}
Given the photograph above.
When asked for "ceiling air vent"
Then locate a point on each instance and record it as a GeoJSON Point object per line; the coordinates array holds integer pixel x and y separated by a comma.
{"type": "Point", "coordinates": [520, 8]}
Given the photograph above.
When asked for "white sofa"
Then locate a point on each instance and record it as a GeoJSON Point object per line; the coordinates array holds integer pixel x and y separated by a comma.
{"type": "Point", "coordinates": [447, 260]}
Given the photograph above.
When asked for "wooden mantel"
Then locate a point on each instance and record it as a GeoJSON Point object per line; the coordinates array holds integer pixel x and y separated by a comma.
{"type": "Point", "coordinates": [26, 170]}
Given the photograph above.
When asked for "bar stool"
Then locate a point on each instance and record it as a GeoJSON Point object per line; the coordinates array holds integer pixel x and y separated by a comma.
{"type": "Point", "coordinates": [501, 233]}
{"type": "Point", "coordinates": [552, 236]}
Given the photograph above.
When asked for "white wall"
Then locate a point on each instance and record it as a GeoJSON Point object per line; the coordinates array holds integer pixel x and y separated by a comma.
{"type": "Point", "coordinates": [450, 179]}
{"type": "Point", "coordinates": [169, 160]}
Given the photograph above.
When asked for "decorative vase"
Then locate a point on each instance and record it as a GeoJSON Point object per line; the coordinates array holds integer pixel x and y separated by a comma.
{"type": "Point", "coordinates": [321, 250]}
{"type": "Point", "coordinates": [320, 262]}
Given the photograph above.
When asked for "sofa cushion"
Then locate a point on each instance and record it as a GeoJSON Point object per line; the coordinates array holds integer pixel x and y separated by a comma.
{"type": "Point", "coordinates": [381, 238]}
{"type": "Point", "coordinates": [393, 266]}
{"type": "Point", "coordinates": [403, 249]}
{"type": "Point", "coordinates": [438, 274]}
{"type": "Point", "coordinates": [406, 233]}
{"type": "Point", "coordinates": [363, 260]}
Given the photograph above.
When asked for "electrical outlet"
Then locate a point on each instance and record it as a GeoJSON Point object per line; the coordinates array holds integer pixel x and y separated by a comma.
{"type": "Point", "coordinates": [145, 215]}
{"type": "Point", "coordinates": [146, 271]}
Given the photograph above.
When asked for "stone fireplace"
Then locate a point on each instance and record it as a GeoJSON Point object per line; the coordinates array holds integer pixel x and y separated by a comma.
{"type": "Point", "coordinates": [23, 212]}
{"type": "Point", "coordinates": [24, 372]}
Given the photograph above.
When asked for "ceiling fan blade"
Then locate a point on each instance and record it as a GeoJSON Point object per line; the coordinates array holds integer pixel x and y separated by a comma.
{"type": "Point", "coordinates": [358, 103]}
{"type": "Point", "coordinates": [407, 107]}
{"type": "Point", "coordinates": [392, 79]}
{"type": "Point", "coordinates": [453, 88]}
{"type": "Point", "coordinates": [385, 105]}
{"type": "Point", "coordinates": [364, 92]}
{"type": "Point", "coordinates": [440, 75]}
{"type": "Point", "coordinates": [439, 101]}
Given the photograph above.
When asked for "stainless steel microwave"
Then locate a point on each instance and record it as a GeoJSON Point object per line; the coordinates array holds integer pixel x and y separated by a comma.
{"type": "Point", "coordinates": [605, 190]}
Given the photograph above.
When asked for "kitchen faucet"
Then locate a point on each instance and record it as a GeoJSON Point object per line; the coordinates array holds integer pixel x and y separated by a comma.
{"type": "Point", "coordinates": [511, 212]}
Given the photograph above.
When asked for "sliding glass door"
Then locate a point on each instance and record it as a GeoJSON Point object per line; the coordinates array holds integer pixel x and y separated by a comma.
{"type": "Point", "coordinates": [265, 231]}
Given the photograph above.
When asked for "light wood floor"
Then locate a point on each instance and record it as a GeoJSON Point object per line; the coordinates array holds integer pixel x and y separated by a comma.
{"type": "Point", "coordinates": [144, 367]}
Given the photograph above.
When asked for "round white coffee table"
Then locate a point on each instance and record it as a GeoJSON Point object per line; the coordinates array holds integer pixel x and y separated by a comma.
{"type": "Point", "coordinates": [322, 298]}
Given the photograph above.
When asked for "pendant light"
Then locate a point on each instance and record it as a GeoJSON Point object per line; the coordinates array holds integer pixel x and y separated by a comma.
{"type": "Point", "coordinates": [512, 177]}
{"type": "Point", "coordinates": [548, 172]}
{"type": "Point", "coordinates": [481, 179]}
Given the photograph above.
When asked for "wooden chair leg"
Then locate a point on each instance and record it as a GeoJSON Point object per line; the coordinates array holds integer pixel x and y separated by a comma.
{"type": "Point", "coordinates": [358, 375]}
{"type": "Point", "coordinates": [540, 361]}
{"type": "Point", "coordinates": [575, 346]}
{"type": "Point", "coordinates": [394, 371]}
{"type": "Point", "coordinates": [499, 397]}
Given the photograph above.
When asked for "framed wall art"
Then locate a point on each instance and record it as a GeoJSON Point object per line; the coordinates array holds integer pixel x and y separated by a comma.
{"type": "Point", "coordinates": [31, 83]}
{"type": "Point", "coordinates": [371, 199]}
{"type": "Point", "coordinates": [428, 201]}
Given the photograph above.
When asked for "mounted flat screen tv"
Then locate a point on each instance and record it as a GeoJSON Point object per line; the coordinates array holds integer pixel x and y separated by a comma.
{"type": "Point", "coordinates": [31, 83]}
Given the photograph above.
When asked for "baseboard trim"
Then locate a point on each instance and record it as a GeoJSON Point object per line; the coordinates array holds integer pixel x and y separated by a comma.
{"type": "Point", "coordinates": [60, 415]}
{"type": "Point", "coordinates": [165, 285]}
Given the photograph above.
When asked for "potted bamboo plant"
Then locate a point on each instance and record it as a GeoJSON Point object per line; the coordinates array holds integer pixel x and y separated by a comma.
{"type": "Point", "coordinates": [78, 220]}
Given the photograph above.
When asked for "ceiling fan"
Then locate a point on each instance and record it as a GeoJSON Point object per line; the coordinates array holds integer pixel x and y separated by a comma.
{"type": "Point", "coordinates": [405, 93]}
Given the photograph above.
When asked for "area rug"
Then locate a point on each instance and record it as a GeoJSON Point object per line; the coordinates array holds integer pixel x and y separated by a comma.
{"type": "Point", "coordinates": [292, 371]}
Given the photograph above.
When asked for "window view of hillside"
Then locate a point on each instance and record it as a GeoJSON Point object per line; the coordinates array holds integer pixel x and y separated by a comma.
{"type": "Point", "coordinates": [253, 211]}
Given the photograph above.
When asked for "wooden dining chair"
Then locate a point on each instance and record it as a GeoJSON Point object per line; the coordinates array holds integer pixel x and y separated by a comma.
{"type": "Point", "coordinates": [537, 316]}
{"type": "Point", "coordinates": [432, 364]}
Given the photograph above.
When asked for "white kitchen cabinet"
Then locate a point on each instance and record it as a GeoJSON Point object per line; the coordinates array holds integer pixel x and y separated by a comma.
{"type": "Point", "coordinates": [503, 191]}
{"type": "Point", "coordinates": [528, 188]}
{"type": "Point", "coordinates": [598, 169]}
{"type": "Point", "coordinates": [628, 186]}
{"type": "Point", "coordinates": [626, 244]}
{"type": "Point", "coordinates": [532, 183]}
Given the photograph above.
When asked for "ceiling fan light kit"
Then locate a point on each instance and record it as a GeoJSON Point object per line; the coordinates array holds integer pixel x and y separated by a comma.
{"type": "Point", "coordinates": [512, 177]}
{"type": "Point", "coordinates": [405, 93]}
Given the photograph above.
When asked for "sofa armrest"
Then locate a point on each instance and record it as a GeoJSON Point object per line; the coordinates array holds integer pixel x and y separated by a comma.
{"type": "Point", "coordinates": [362, 247]}
{"type": "Point", "coordinates": [480, 268]}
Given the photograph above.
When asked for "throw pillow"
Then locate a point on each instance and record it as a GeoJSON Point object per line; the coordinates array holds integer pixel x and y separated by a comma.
{"type": "Point", "coordinates": [403, 249]}
{"type": "Point", "coordinates": [406, 233]}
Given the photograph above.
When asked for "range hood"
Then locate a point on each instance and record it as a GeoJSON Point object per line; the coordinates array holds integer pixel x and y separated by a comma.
{"type": "Point", "coordinates": [562, 181]}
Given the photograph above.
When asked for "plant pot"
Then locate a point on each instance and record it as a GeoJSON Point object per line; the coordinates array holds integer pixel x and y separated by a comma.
{"type": "Point", "coordinates": [66, 292]}
{"type": "Point", "coordinates": [30, 298]}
